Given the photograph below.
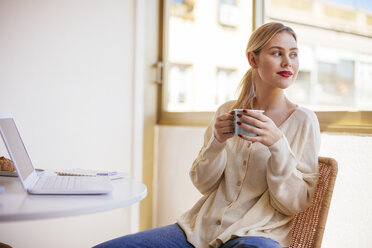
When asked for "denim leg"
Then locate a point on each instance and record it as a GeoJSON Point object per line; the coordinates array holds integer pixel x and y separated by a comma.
{"type": "Point", "coordinates": [251, 242]}
{"type": "Point", "coordinates": [170, 236]}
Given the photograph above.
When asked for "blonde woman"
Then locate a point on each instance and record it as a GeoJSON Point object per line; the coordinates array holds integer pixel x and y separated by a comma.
{"type": "Point", "coordinates": [251, 185]}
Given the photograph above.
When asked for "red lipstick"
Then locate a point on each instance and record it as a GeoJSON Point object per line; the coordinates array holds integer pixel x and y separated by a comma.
{"type": "Point", "coordinates": [285, 74]}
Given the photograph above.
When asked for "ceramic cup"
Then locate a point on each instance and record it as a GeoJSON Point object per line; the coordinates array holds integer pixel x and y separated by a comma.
{"type": "Point", "coordinates": [239, 129]}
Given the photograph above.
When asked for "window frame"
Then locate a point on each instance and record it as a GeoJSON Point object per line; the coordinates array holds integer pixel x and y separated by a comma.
{"type": "Point", "coordinates": [353, 122]}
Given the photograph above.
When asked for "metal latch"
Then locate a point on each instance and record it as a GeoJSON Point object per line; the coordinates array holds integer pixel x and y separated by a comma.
{"type": "Point", "coordinates": [159, 72]}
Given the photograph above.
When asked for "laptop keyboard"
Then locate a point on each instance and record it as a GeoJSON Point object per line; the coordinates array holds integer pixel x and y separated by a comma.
{"type": "Point", "coordinates": [60, 182]}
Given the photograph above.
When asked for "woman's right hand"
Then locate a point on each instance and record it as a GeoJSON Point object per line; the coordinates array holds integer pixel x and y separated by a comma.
{"type": "Point", "coordinates": [224, 127]}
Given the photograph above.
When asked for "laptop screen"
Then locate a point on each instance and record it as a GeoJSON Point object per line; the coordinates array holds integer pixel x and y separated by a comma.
{"type": "Point", "coordinates": [16, 148]}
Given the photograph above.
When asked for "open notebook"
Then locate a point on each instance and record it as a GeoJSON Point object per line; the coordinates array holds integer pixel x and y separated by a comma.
{"type": "Point", "coordinates": [45, 184]}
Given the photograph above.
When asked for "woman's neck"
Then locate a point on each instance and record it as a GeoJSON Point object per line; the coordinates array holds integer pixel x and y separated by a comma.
{"type": "Point", "coordinates": [270, 99]}
{"type": "Point", "coordinates": [275, 104]}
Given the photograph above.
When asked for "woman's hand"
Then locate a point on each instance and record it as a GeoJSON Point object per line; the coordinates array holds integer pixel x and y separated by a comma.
{"type": "Point", "coordinates": [224, 127]}
{"type": "Point", "coordinates": [267, 132]}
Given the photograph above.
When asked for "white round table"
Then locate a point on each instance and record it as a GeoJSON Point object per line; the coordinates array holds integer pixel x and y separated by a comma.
{"type": "Point", "coordinates": [17, 205]}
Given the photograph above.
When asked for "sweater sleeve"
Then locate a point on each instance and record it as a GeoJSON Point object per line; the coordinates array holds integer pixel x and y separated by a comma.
{"type": "Point", "coordinates": [292, 171]}
{"type": "Point", "coordinates": [208, 168]}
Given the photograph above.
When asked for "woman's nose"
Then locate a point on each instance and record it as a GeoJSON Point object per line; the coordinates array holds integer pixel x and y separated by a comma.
{"type": "Point", "coordinates": [286, 62]}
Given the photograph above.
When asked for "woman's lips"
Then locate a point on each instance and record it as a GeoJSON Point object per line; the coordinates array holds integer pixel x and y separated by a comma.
{"type": "Point", "coordinates": [285, 73]}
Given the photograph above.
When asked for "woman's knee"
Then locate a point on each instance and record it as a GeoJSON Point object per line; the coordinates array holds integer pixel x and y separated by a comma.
{"type": "Point", "coordinates": [252, 242]}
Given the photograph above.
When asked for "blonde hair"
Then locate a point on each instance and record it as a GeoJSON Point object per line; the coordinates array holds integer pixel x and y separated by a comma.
{"type": "Point", "coordinates": [259, 38]}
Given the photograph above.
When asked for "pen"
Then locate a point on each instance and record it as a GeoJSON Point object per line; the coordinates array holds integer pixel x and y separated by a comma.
{"type": "Point", "coordinates": [108, 173]}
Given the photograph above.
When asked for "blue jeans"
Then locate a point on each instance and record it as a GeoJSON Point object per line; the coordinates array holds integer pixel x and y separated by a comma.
{"type": "Point", "coordinates": [172, 236]}
{"type": "Point", "coordinates": [251, 242]}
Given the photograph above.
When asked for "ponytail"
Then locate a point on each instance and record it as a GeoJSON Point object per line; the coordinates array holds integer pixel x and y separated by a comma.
{"type": "Point", "coordinates": [246, 91]}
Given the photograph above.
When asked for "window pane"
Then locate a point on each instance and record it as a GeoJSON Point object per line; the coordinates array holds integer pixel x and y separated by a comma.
{"type": "Point", "coordinates": [226, 85]}
{"type": "Point", "coordinates": [334, 39]}
{"type": "Point", "coordinates": [180, 87]}
{"type": "Point", "coordinates": [204, 52]}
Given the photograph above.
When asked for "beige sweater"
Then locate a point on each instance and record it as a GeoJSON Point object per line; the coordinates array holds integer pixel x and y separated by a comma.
{"type": "Point", "coordinates": [250, 189]}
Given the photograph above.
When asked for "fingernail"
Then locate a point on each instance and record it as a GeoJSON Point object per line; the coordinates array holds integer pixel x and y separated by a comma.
{"type": "Point", "coordinates": [239, 123]}
{"type": "Point", "coordinates": [241, 136]}
{"type": "Point", "coordinates": [239, 115]}
{"type": "Point", "coordinates": [245, 111]}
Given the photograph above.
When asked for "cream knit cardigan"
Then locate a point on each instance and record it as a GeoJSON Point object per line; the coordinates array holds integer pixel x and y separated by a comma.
{"type": "Point", "coordinates": [250, 189]}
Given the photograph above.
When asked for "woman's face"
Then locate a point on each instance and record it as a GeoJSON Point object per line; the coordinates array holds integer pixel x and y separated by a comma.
{"type": "Point", "coordinates": [277, 63]}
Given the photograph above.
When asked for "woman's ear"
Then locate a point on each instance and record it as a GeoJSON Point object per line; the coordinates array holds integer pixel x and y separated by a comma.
{"type": "Point", "coordinates": [252, 59]}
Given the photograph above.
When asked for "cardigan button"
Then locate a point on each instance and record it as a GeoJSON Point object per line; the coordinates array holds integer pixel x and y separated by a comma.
{"type": "Point", "coordinates": [244, 162]}
{"type": "Point", "coordinates": [218, 222]}
{"type": "Point", "coordinates": [239, 183]}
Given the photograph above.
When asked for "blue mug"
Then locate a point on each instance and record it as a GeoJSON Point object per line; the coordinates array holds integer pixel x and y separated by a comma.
{"type": "Point", "coordinates": [239, 129]}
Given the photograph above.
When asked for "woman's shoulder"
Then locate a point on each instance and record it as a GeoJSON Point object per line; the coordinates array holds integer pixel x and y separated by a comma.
{"type": "Point", "coordinates": [304, 114]}
{"type": "Point", "coordinates": [226, 107]}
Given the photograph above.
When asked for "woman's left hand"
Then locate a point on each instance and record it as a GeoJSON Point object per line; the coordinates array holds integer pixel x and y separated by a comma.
{"type": "Point", "coordinates": [267, 132]}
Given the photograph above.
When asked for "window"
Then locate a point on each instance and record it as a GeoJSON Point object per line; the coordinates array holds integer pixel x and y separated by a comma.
{"type": "Point", "coordinates": [180, 87]}
{"type": "Point", "coordinates": [336, 83]}
{"type": "Point", "coordinates": [204, 43]}
{"type": "Point", "coordinates": [334, 38]}
{"type": "Point", "coordinates": [228, 13]}
{"type": "Point", "coordinates": [226, 84]}
{"type": "Point", "coordinates": [183, 9]}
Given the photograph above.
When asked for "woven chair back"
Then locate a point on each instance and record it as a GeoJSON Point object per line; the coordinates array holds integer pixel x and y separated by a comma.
{"type": "Point", "coordinates": [308, 226]}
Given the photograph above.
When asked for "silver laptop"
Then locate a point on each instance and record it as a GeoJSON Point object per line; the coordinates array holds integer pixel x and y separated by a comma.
{"type": "Point", "coordinates": [46, 183]}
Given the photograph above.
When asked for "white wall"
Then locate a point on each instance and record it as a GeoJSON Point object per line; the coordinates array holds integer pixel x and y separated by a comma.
{"type": "Point", "coordinates": [350, 216]}
{"type": "Point", "coordinates": [66, 74]}
{"type": "Point", "coordinates": [177, 147]}
{"type": "Point", "coordinates": [349, 221]}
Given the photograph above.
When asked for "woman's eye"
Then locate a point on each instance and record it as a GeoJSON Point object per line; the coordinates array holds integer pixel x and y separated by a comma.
{"type": "Point", "coordinates": [277, 53]}
{"type": "Point", "coordinates": [294, 55]}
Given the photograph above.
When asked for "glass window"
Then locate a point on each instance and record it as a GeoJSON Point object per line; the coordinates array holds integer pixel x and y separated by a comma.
{"type": "Point", "coordinates": [226, 85]}
{"type": "Point", "coordinates": [228, 13]}
{"type": "Point", "coordinates": [203, 52]}
{"type": "Point", "coordinates": [180, 87]}
{"type": "Point", "coordinates": [334, 40]}
{"type": "Point", "coordinates": [183, 9]}
{"type": "Point", "coordinates": [337, 83]}
{"type": "Point", "coordinates": [204, 42]}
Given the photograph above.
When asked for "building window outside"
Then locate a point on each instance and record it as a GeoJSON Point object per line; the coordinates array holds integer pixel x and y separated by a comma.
{"type": "Point", "coordinates": [226, 85]}
{"type": "Point", "coordinates": [183, 9]}
{"type": "Point", "coordinates": [180, 87]}
{"type": "Point", "coordinates": [228, 13]}
{"type": "Point", "coordinates": [363, 85]}
{"type": "Point", "coordinates": [337, 83]}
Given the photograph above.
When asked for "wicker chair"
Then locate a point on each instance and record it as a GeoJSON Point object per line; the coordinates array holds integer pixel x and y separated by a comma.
{"type": "Point", "coordinates": [308, 226]}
